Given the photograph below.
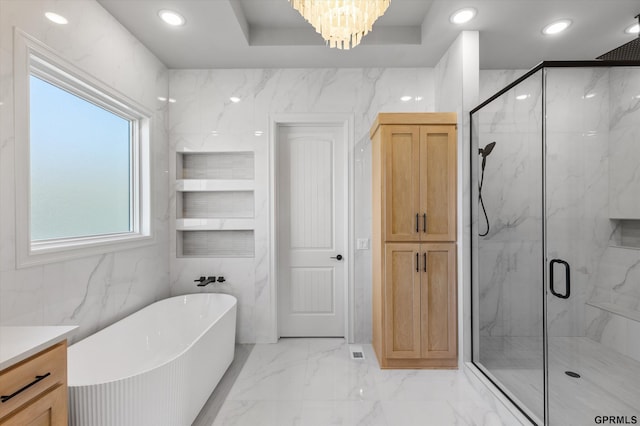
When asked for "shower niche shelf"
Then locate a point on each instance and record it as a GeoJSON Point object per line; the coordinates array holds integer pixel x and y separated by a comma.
{"type": "Point", "coordinates": [215, 213]}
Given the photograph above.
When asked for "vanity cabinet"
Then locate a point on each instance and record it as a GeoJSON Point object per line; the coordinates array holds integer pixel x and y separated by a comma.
{"type": "Point", "coordinates": [414, 240]}
{"type": "Point", "coordinates": [34, 391]}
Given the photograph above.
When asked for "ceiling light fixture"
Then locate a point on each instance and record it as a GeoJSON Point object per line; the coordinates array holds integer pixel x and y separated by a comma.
{"type": "Point", "coordinates": [633, 29]}
{"type": "Point", "coordinates": [556, 27]}
{"type": "Point", "coordinates": [172, 18]}
{"type": "Point", "coordinates": [58, 19]}
{"type": "Point", "coordinates": [463, 16]}
{"type": "Point", "coordinates": [258, 133]}
{"type": "Point", "coordinates": [162, 99]}
{"type": "Point", "coordinates": [235, 99]}
{"type": "Point", "coordinates": [522, 97]}
{"type": "Point", "coordinates": [406, 98]}
{"type": "Point", "coordinates": [342, 23]}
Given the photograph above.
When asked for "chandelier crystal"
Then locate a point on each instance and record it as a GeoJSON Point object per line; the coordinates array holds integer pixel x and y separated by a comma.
{"type": "Point", "coordinates": [342, 23]}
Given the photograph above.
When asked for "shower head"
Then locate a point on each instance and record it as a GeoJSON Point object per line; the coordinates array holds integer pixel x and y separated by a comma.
{"type": "Point", "coordinates": [487, 149]}
{"type": "Point", "coordinates": [627, 52]}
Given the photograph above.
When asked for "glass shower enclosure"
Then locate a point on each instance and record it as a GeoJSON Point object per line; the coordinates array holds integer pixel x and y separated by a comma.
{"type": "Point", "coordinates": [555, 196]}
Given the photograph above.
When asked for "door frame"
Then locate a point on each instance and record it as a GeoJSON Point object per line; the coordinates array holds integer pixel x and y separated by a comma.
{"type": "Point", "coordinates": [346, 122]}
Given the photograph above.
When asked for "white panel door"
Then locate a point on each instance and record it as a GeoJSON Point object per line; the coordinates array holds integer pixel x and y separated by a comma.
{"type": "Point", "coordinates": [311, 231]}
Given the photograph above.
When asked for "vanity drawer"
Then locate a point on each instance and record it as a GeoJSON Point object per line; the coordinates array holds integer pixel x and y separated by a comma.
{"type": "Point", "coordinates": [34, 376]}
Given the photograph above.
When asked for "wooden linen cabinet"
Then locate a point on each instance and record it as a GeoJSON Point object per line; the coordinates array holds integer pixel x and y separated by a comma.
{"type": "Point", "coordinates": [414, 240]}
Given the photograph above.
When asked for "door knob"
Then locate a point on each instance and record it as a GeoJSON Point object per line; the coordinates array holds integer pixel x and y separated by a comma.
{"type": "Point", "coordinates": [338, 257]}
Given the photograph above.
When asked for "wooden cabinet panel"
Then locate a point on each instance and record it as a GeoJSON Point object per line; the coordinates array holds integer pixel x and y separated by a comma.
{"type": "Point", "coordinates": [419, 183]}
{"type": "Point", "coordinates": [438, 301]}
{"type": "Point", "coordinates": [38, 386]}
{"type": "Point", "coordinates": [49, 409]}
{"type": "Point", "coordinates": [402, 182]}
{"type": "Point", "coordinates": [46, 369]}
{"type": "Point", "coordinates": [438, 183]}
{"type": "Point", "coordinates": [402, 300]}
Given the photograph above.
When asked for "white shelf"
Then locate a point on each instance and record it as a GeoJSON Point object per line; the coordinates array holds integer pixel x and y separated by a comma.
{"type": "Point", "coordinates": [230, 224]}
{"type": "Point", "coordinates": [192, 185]}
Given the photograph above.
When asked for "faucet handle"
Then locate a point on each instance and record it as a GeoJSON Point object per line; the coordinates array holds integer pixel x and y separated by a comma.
{"type": "Point", "coordinates": [221, 279]}
{"type": "Point", "coordinates": [200, 280]}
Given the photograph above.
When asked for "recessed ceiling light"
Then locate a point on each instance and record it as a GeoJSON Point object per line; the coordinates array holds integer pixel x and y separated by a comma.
{"type": "Point", "coordinates": [171, 101]}
{"type": "Point", "coordinates": [234, 99]}
{"type": "Point", "coordinates": [406, 98]}
{"type": "Point", "coordinates": [463, 16]}
{"type": "Point", "coordinates": [162, 99]}
{"type": "Point", "coordinates": [215, 133]}
{"type": "Point", "coordinates": [418, 98]}
{"type": "Point", "coordinates": [588, 96]}
{"type": "Point", "coordinates": [522, 97]}
{"type": "Point", "coordinates": [258, 133]}
{"type": "Point", "coordinates": [633, 29]}
{"type": "Point", "coordinates": [58, 19]}
{"type": "Point", "coordinates": [172, 18]}
{"type": "Point", "coordinates": [556, 27]}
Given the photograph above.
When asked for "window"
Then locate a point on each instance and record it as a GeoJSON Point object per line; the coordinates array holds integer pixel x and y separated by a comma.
{"type": "Point", "coordinates": [80, 168]}
{"type": "Point", "coordinates": [82, 175]}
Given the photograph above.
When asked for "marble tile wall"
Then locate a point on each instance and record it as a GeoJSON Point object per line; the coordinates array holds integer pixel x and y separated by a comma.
{"type": "Point", "coordinates": [457, 89]}
{"type": "Point", "coordinates": [617, 282]}
{"type": "Point", "coordinates": [203, 118]}
{"type": "Point", "coordinates": [95, 291]}
{"type": "Point", "coordinates": [509, 302]}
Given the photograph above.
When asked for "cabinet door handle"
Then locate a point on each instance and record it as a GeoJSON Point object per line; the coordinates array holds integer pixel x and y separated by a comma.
{"type": "Point", "coordinates": [417, 262]}
{"type": "Point", "coordinates": [417, 222]}
{"type": "Point", "coordinates": [424, 222]}
{"type": "Point", "coordinates": [5, 398]}
{"type": "Point", "coordinates": [424, 255]}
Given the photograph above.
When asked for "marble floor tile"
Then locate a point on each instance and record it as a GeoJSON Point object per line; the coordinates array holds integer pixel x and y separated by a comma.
{"type": "Point", "coordinates": [309, 382]}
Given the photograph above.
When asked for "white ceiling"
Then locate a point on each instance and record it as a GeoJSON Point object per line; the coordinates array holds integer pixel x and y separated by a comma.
{"type": "Point", "coordinates": [412, 33]}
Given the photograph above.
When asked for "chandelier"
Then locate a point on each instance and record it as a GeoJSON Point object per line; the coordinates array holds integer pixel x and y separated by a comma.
{"type": "Point", "coordinates": [342, 23]}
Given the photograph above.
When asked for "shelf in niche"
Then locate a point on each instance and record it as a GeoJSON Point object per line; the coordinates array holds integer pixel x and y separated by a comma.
{"type": "Point", "coordinates": [223, 165]}
{"type": "Point", "coordinates": [193, 185]}
{"type": "Point", "coordinates": [217, 224]}
{"type": "Point", "coordinates": [617, 309]}
{"type": "Point", "coordinates": [211, 243]}
{"type": "Point", "coordinates": [215, 212]}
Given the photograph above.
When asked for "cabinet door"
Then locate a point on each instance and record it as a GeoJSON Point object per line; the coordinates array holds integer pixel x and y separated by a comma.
{"type": "Point", "coordinates": [438, 301]}
{"type": "Point", "coordinates": [438, 183]}
{"type": "Point", "coordinates": [49, 409]}
{"type": "Point", "coordinates": [402, 300]}
{"type": "Point", "coordinates": [401, 190]}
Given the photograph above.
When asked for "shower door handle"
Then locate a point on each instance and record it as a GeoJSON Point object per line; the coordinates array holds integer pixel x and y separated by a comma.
{"type": "Point", "coordinates": [567, 272]}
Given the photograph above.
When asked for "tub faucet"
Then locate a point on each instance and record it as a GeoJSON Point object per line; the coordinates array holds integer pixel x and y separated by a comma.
{"type": "Point", "coordinates": [203, 281]}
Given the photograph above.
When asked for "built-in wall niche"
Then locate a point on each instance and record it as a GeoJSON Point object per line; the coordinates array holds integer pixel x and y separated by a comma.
{"type": "Point", "coordinates": [215, 213]}
{"type": "Point", "coordinates": [627, 234]}
{"type": "Point", "coordinates": [236, 243]}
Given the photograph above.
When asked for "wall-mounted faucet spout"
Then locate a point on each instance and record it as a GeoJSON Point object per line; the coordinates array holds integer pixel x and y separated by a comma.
{"type": "Point", "coordinates": [205, 281]}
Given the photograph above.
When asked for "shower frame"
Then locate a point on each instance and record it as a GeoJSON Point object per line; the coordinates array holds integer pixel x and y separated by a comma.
{"type": "Point", "coordinates": [475, 225]}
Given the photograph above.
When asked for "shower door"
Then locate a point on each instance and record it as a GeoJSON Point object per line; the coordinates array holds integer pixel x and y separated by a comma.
{"type": "Point", "coordinates": [589, 377]}
{"type": "Point", "coordinates": [508, 245]}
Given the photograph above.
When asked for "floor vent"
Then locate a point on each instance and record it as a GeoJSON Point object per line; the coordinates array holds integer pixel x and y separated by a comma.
{"type": "Point", "coordinates": [356, 352]}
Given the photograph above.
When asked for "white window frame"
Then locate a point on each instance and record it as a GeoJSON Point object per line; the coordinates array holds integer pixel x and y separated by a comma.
{"type": "Point", "coordinates": [34, 58]}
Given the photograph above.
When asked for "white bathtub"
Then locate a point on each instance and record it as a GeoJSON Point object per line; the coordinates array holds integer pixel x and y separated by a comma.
{"type": "Point", "coordinates": [155, 367]}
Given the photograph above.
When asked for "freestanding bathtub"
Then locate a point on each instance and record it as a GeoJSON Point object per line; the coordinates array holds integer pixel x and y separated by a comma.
{"type": "Point", "coordinates": [155, 367]}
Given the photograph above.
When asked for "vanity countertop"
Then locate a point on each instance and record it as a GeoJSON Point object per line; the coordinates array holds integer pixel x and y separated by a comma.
{"type": "Point", "coordinates": [18, 343]}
